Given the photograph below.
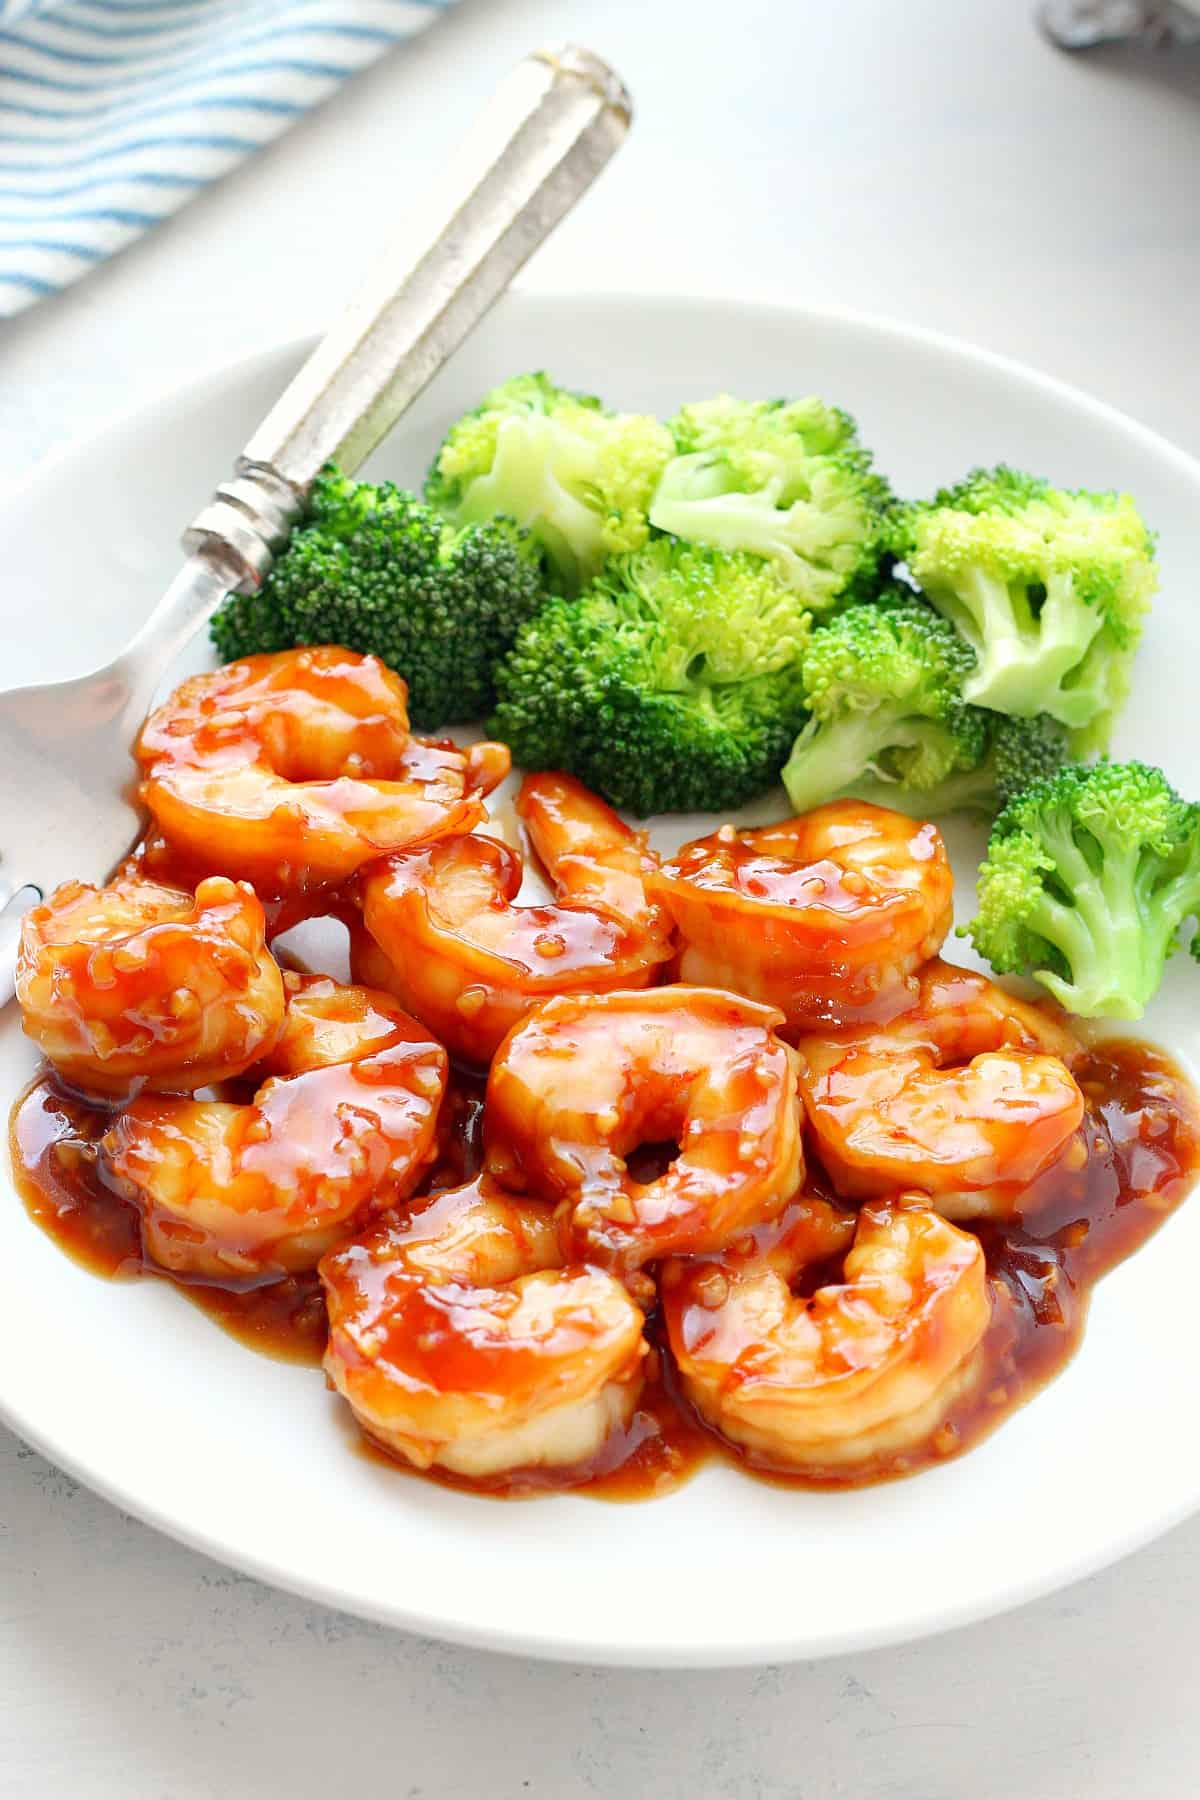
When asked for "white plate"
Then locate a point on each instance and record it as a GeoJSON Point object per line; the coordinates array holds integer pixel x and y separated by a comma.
{"type": "Point", "coordinates": [143, 1398]}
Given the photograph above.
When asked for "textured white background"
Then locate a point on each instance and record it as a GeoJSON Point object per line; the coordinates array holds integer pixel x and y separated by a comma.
{"type": "Point", "coordinates": [929, 159]}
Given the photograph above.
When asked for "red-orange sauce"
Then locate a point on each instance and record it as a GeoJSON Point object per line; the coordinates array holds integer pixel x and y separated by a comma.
{"type": "Point", "coordinates": [662, 1447]}
{"type": "Point", "coordinates": [53, 1137]}
{"type": "Point", "coordinates": [284, 903]}
{"type": "Point", "coordinates": [1144, 1135]}
{"type": "Point", "coordinates": [326, 731]}
{"type": "Point", "coordinates": [819, 897]}
{"type": "Point", "coordinates": [541, 943]}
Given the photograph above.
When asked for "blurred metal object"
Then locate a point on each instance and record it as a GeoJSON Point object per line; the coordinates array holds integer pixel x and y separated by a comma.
{"type": "Point", "coordinates": [1085, 24]}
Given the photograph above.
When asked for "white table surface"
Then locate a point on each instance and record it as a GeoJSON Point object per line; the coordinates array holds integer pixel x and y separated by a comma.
{"type": "Point", "coordinates": [930, 159]}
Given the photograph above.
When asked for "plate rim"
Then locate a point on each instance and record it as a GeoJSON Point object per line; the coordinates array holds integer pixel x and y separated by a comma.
{"type": "Point", "coordinates": [665, 1652]}
{"type": "Point", "coordinates": [883, 325]}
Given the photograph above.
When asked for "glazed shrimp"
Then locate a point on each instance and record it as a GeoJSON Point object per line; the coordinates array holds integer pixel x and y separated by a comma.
{"type": "Point", "coordinates": [442, 929]}
{"type": "Point", "coordinates": [342, 1126]}
{"type": "Point", "coordinates": [592, 857]}
{"type": "Point", "coordinates": [967, 1095]}
{"type": "Point", "coordinates": [857, 1374]}
{"type": "Point", "coordinates": [585, 1080]}
{"type": "Point", "coordinates": [135, 985]}
{"type": "Point", "coordinates": [460, 1339]}
{"type": "Point", "coordinates": [825, 916]}
{"type": "Point", "coordinates": [296, 768]}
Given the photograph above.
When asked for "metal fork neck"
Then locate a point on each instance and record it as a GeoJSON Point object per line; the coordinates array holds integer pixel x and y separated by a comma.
{"type": "Point", "coordinates": [245, 523]}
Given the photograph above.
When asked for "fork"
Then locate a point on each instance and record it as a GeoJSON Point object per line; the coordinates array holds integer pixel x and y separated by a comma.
{"type": "Point", "coordinates": [69, 806]}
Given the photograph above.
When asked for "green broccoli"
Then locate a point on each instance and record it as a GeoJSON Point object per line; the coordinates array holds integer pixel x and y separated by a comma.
{"type": "Point", "coordinates": [375, 569]}
{"type": "Point", "coordinates": [671, 684]}
{"type": "Point", "coordinates": [576, 475]}
{"type": "Point", "coordinates": [1048, 586]}
{"type": "Point", "coordinates": [1089, 877]}
{"type": "Point", "coordinates": [1022, 751]}
{"type": "Point", "coordinates": [1018, 751]}
{"type": "Point", "coordinates": [787, 480]}
{"type": "Point", "coordinates": [883, 683]}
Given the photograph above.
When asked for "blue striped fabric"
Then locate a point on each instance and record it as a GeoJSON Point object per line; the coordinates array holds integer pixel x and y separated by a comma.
{"type": "Point", "coordinates": [114, 112]}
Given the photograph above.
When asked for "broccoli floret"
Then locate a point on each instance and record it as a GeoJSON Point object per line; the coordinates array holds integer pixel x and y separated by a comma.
{"type": "Point", "coordinates": [1048, 586]}
{"type": "Point", "coordinates": [375, 569]}
{"type": "Point", "coordinates": [671, 684]}
{"type": "Point", "coordinates": [787, 480]}
{"type": "Point", "coordinates": [576, 475]}
{"type": "Point", "coordinates": [1019, 751]}
{"type": "Point", "coordinates": [1024, 751]}
{"type": "Point", "coordinates": [883, 683]}
{"type": "Point", "coordinates": [1089, 877]}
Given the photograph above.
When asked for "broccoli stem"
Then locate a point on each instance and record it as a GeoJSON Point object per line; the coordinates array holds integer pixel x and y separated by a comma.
{"type": "Point", "coordinates": [1020, 659]}
{"type": "Point", "coordinates": [826, 758]}
{"type": "Point", "coordinates": [968, 790]}
{"type": "Point", "coordinates": [829, 758]}
{"type": "Point", "coordinates": [1114, 947]}
{"type": "Point", "coordinates": [1177, 901]}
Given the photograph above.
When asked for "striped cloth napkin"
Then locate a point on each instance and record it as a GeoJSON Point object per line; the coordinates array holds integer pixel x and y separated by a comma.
{"type": "Point", "coordinates": [114, 112]}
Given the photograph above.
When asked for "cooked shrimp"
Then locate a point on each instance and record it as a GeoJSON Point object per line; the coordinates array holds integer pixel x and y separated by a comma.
{"type": "Point", "coordinates": [135, 985]}
{"type": "Point", "coordinates": [968, 1095]}
{"type": "Point", "coordinates": [857, 1374]}
{"type": "Point", "coordinates": [585, 1080]}
{"type": "Point", "coordinates": [459, 1338]}
{"type": "Point", "coordinates": [296, 768]}
{"type": "Point", "coordinates": [826, 916]}
{"type": "Point", "coordinates": [488, 763]}
{"type": "Point", "coordinates": [592, 857]}
{"type": "Point", "coordinates": [444, 933]}
{"type": "Point", "coordinates": [342, 1127]}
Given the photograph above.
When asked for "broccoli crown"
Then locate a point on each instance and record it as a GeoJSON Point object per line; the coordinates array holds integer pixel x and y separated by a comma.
{"type": "Point", "coordinates": [883, 684]}
{"type": "Point", "coordinates": [375, 569]}
{"type": "Point", "coordinates": [785, 479]}
{"type": "Point", "coordinates": [578, 476]}
{"type": "Point", "coordinates": [1023, 751]}
{"type": "Point", "coordinates": [1089, 875]}
{"type": "Point", "coordinates": [671, 684]}
{"type": "Point", "coordinates": [1048, 586]}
